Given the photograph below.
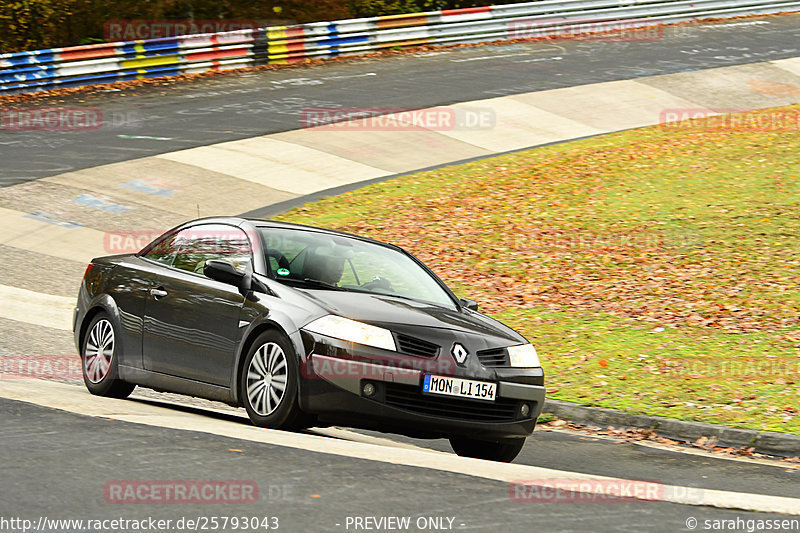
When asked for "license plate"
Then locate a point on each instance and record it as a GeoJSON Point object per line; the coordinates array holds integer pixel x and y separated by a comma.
{"type": "Point", "coordinates": [462, 388]}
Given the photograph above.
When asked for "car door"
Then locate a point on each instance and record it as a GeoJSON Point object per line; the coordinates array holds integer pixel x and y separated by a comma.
{"type": "Point", "coordinates": [191, 323]}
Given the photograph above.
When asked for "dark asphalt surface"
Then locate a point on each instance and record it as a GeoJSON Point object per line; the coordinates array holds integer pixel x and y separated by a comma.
{"type": "Point", "coordinates": [62, 473]}
{"type": "Point", "coordinates": [600, 456]}
{"type": "Point", "coordinates": [604, 457]}
{"type": "Point", "coordinates": [157, 119]}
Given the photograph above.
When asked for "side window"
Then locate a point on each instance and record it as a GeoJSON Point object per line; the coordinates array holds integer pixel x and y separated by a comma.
{"type": "Point", "coordinates": [190, 248]}
{"type": "Point", "coordinates": [164, 252]}
{"type": "Point", "coordinates": [286, 252]}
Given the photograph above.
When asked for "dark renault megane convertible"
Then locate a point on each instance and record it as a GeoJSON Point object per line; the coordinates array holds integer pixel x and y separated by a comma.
{"type": "Point", "coordinates": [304, 326]}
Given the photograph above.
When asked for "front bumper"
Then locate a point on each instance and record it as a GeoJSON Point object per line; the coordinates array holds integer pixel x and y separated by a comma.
{"type": "Point", "coordinates": [334, 390]}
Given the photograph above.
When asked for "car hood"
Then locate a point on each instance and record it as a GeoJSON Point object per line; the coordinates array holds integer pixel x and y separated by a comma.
{"type": "Point", "coordinates": [386, 311]}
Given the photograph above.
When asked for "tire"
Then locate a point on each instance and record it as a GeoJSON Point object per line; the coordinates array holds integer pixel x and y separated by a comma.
{"type": "Point", "coordinates": [503, 450]}
{"type": "Point", "coordinates": [271, 363]}
{"type": "Point", "coordinates": [100, 359]}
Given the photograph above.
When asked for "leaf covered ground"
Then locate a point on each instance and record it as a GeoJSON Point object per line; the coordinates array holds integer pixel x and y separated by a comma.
{"type": "Point", "coordinates": [656, 270]}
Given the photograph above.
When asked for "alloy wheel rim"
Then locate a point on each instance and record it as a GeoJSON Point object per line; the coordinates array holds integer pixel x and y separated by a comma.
{"type": "Point", "coordinates": [266, 379]}
{"type": "Point", "coordinates": [99, 351]}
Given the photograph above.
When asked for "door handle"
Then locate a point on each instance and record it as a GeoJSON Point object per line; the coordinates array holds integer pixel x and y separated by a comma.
{"type": "Point", "coordinates": [158, 293]}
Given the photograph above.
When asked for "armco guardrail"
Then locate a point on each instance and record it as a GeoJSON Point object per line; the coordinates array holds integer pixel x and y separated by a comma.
{"type": "Point", "coordinates": [105, 63]}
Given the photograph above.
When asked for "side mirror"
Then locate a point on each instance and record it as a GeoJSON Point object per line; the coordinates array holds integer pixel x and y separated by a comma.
{"type": "Point", "coordinates": [472, 305]}
{"type": "Point", "coordinates": [223, 272]}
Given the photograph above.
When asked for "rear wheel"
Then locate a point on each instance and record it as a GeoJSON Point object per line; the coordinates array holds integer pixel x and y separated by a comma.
{"type": "Point", "coordinates": [503, 450]}
{"type": "Point", "coordinates": [268, 384]}
{"type": "Point", "coordinates": [99, 360]}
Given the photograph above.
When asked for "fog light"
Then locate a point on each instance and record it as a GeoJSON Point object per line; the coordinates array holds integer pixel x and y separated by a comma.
{"type": "Point", "coordinates": [525, 409]}
{"type": "Point", "coordinates": [369, 389]}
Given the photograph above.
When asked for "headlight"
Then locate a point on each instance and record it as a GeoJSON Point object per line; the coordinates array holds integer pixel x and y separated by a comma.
{"type": "Point", "coordinates": [523, 356]}
{"type": "Point", "coordinates": [349, 330]}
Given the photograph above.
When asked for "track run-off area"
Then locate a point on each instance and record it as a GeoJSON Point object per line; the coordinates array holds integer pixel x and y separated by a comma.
{"type": "Point", "coordinates": [236, 144]}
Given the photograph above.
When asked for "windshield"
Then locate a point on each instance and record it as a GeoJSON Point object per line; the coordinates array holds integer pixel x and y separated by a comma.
{"type": "Point", "coordinates": [318, 260]}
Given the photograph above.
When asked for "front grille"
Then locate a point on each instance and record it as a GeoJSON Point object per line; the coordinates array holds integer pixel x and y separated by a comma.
{"type": "Point", "coordinates": [412, 346]}
{"type": "Point", "coordinates": [493, 358]}
{"type": "Point", "coordinates": [411, 399]}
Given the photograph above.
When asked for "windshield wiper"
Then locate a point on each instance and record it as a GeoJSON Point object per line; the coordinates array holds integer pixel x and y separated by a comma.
{"type": "Point", "coordinates": [314, 282]}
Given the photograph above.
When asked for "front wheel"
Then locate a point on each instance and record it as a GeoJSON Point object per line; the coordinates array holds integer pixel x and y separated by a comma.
{"type": "Point", "coordinates": [503, 450]}
{"type": "Point", "coordinates": [99, 360]}
{"type": "Point", "coordinates": [268, 384]}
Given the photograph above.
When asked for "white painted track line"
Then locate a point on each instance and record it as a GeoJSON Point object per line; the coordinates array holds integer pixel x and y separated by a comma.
{"type": "Point", "coordinates": [32, 307]}
{"type": "Point", "coordinates": [792, 65]}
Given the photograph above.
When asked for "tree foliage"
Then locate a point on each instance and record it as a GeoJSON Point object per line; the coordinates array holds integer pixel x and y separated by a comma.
{"type": "Point", "coordinates": [37, 24]}
{"type": "Point", "coordinates": [371, 8]}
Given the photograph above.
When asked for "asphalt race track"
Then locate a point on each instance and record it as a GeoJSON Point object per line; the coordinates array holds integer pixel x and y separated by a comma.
{"type": "Point", "coordinates": [287, 478]}
{"type": "Point", "coordinates": [59, 456]}
{"type": "Point", "coordinates": [155, 120]}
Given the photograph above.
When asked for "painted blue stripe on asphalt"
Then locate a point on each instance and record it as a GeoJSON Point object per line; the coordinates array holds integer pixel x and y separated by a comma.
{"type": "Point", "coordinates": [43, 216]}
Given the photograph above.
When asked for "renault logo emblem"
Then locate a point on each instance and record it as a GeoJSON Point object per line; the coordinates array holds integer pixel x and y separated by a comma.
{"type": "Point", "coordinates": [460, 353]}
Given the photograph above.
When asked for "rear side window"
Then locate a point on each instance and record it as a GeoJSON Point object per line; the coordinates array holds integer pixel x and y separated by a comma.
{"type": "Point", "coordinates": [190, 248]}
{"type": "Point", "coordinates": [163, 252]}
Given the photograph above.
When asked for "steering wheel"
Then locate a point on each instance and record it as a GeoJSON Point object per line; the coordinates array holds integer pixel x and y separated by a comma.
{"type": "Point", "coordinates": [378, 283]}
{"type": "Point", "coordinates": [280, 258]}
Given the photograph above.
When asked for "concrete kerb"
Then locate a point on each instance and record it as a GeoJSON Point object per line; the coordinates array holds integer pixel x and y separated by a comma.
{"type": "Point", "coordinates": [767, 442]}
{"type": "Point", "coordinates": [279, 208]}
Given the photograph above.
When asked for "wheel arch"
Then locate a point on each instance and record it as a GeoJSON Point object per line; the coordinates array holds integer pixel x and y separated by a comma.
{"type": "Point", "coordinates": [102, 304]}
{"type": "Point", "coordinates": [249, 338]}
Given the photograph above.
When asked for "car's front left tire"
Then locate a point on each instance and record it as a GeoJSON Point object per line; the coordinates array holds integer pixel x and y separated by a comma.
{"type": "Point", "coordinates": [268, 385]}
{"type": "Point", "coordinates": [503, 450]}
{"type": "Point", "coordinates": [99, 359]}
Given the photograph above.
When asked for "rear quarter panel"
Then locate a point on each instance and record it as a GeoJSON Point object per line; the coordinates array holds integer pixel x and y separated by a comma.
{"type": "Point", "coordinates": [116, 285]}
